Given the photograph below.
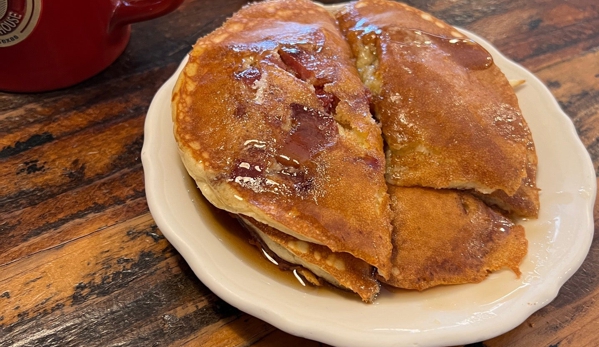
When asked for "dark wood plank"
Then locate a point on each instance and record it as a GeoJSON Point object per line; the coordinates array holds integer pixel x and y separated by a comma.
{"type": "Point", "coordinates": [72, 214]}
{"type": "Point", "coordinates": [125, 284]}
{"type": "Point", "coordinates": [577, 91]}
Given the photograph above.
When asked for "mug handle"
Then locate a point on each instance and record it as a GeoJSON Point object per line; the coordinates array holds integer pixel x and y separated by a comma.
{"type": "Point", "coordinates": [127, 12]}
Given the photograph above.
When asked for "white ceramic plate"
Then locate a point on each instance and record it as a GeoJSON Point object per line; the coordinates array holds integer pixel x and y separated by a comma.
{"type": "Point", "coordinates": [558, 243]}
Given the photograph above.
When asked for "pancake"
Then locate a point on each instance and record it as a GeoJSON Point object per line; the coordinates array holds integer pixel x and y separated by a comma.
{"type": "Point", "coordinates": [449, 116]}
{"type": "Point", "coordinates": [273, 123]}
{"type": "Point", "coordinates": [446, 237]}
{"type": "Point", "coordinates": [342, 270]}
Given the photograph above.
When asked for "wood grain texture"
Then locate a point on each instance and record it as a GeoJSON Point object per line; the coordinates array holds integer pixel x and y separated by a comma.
{"type": "Point", "coordinates": [81, 259]}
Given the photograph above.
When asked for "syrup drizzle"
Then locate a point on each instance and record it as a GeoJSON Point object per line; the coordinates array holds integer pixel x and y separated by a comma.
{"type": "Point", "coordinates": [312, 132]}
{"type": "Point", "coordinates": [463, 51]}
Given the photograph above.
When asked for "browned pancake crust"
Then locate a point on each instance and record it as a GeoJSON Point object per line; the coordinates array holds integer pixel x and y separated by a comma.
{"type": "Point", "coordinates": [449, 237]}
{"type": "Point", "coordinates": [349, 272]}
{"type": "Point", "coordinates": [449, 116]}
{"type": "Point", "coordinates": [273, 122]}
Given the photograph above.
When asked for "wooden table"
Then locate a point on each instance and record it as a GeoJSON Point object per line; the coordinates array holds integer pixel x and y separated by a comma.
{"type": "Point", "coordinates": [82, 262]}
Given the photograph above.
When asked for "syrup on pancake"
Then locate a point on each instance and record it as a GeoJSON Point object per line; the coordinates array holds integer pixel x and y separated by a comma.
{"type": "Point", "coordinates": [450, 118]}
{"type": "Point", "coordinates": [273, 122]}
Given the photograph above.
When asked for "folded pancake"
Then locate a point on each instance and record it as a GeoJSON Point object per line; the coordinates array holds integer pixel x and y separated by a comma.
{"type": "Point", "coordinates": [449, 237]}
{"type": "Point", "coordinates": [449, 116]}
{"type": "Point", "coordinates": [339, 269]}
{"type": "Point", "coordinates": [273, 122]}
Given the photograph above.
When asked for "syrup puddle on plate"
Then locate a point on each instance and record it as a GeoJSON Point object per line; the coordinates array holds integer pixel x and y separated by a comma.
{"type": "Point", "coordinates": [234, 236]}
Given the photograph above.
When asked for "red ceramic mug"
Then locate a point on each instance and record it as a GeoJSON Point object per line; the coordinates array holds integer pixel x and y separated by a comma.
{"type": "Point", "coordinates": [51, 44]}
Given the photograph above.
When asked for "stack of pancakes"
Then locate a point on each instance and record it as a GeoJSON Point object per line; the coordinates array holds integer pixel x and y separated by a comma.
{"type": "Point", "coordinates": [373, 144]}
